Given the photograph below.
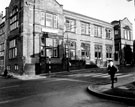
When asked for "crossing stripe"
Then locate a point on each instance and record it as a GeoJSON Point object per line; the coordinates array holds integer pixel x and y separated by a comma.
{"type": "Point", "coordinates": [101, 75]}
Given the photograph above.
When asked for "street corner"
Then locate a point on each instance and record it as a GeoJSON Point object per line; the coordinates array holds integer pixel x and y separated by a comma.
{"type": "Point", "coordinates": [120, 93]}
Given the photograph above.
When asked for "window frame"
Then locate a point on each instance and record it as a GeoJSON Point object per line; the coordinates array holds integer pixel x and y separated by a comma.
{"type": "Point", "coordinates": [70, 25]}
{"type": "Point", "coordinates": [85, 28]}
{"type": "Point", "coordinates": [53, 20]}
{"type": "Point", "coordinates": [108, 33]}
{"type": "Point", "coordinates": [98, 31]}
{"type": "Point", "coordinates": [12, 49]}
{"type": "Point", "coordinates": [98, 51]}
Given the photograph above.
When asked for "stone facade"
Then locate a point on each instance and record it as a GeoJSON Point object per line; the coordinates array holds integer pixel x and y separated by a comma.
{"type": "Point", "coordinates": [38, 31]}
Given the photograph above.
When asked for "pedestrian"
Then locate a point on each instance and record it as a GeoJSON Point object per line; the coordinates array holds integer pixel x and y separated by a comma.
{"type": "Point", "coordinates": [5, 73]}
{"type": "Point", "coordinates": [112, 69]}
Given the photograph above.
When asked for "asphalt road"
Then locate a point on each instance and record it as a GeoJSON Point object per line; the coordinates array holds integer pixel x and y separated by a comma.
{"type": "Point", "coordinates": [66, 91]}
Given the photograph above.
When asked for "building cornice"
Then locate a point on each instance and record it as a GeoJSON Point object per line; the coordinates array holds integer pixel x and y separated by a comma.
{"type": "Point", "coordinates": [78, 14]}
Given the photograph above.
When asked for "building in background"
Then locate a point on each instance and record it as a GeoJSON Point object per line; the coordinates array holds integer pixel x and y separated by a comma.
{"type": "Point", "coordinates": [123, 38]}
{"type": "Point", "coordinates": [2, 42]}
{"type": "Point", "coordinates": [41, 31]}
{"type": "Point", "coordinates": [92, 38]}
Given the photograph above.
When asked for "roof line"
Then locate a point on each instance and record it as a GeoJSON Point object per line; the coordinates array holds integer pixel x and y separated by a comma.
{"type": "Point", "coordinates": [85, 16]}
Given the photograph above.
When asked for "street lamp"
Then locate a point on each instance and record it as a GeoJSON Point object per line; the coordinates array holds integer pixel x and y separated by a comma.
{"type": "Point", "coordinates": [67, 55]}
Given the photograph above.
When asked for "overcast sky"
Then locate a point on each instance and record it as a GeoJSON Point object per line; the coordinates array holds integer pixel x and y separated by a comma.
{"type": "Point", "coordinates": [107, 10]}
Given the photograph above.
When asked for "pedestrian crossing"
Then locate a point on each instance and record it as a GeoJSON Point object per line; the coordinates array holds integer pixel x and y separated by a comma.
{"type": "Point", "coordinates": [99, 75]}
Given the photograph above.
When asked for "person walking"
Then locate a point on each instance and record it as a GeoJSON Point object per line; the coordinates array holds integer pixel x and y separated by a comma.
{"type": "Point", "coordinates": [112, 71]}
{"type": "Point", "coordinates": [5, 73]}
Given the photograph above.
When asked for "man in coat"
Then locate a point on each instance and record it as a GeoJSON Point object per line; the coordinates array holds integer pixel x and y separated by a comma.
{"type": "Point", "coordinates": [111, 71]}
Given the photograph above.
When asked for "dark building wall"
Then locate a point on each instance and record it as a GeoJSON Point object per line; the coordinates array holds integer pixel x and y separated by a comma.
{"type": "Point", "coordinates": [14, 64]}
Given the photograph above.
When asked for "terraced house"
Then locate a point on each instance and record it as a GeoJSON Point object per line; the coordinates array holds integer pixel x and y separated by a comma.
{"type": "Point", "coordinates": [42, 32]}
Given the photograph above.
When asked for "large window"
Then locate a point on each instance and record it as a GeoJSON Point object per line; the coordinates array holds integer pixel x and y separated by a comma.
{"type": "Point", "coordinates": [14, 19]}
{"type": "Point", "coordinates": [85, 51]}
{"type": "Point", "coordinates": [98, 51]}
{"type": "Point", "coordinates": [70, 25]}
{"type": "Point", "coordinates": [127, 34]}
{"type": "Point", "coordinates": [12, 49]}
{"type": "Point", "coordinates": [51, 48]}
{"type": "Point", "coordinates": [2, 49]}
{"type": "Point", "coordinates": [108, 33]}
{"type": "Point", "coordinates": [97, 31]}
{"type": "Point", "coordinates": [51, 20]}
{"type": "Point", "coordinates": [70, 49]}
{"type": "Point", "coordinates": [85, 28]}
{"type": "Point", "coordinates": [109, 51]}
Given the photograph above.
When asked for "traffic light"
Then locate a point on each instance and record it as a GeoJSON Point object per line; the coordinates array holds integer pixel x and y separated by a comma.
{"type": "Point", "coordinates": [45, 35]}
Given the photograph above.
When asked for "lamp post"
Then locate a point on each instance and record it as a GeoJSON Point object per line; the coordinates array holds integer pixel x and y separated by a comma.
{"type": "Point", "coordinates": [67, 55]}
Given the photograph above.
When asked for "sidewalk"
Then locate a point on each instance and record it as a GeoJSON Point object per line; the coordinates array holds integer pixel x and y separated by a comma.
{"type": "Point", "coordinates": [124, 90]}
{"type": "Point", "coordinates": [27, 77]}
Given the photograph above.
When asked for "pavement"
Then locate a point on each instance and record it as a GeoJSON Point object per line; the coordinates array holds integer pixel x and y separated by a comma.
{"type": "Point", "coordinates": [124, 90]}
{"type": "Point", "coordinates": [26, 77]}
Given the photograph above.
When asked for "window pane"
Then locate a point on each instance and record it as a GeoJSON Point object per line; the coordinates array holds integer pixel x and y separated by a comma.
{"type": "Point", "coordinates": [83, 28]}
{"type": "Point", "coordinates": [87, 29]}
{"type": "Point", "coordinates": [55, 21]}
{"type": "Point", "coordinates": [49, 20]}
{"type": "Point", "coordinates": [70, 25]}
{"type": "Point", "coordinates": [95, 31]}
{"type": "Point", "coordinates": [15, 51]}
{"type": "Point", "coordinates": [49, 42]}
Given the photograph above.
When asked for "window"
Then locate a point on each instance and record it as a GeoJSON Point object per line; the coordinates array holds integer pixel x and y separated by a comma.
{"type": "Point", "coordinates": [70, 25]}
{"type": "Point", "coordinates": [85, 28]}
{"type": "Point", "coordinates": [51, 20]}
{"type": "Point", "coordinates": [108, 51]}
{"type": "Point", "coordinates": [1, 62]}
{"type": "Point", "coordinates": [116, 32]}
{"type": "Point", "coordinates": [97, 31]}
{"type": "Point", "coordinates": [98, 51]}
{"type": "Point", "coordinates": [85, 50]}
{"type": "Point", "coordinates": [2, 30]}
{"type": "Point", "coordinates": [51, 48]}
{"type": "Point", "coordinates": [8, 67]}
{"type": "Point", "coordinates": [70, 49]}
{"type": "Point", "coordinates": [2, 49]}
{"type": "Point", "coordinates": [127, 34]}
{"type": "Point", "coordinates": [14, 19]}
{"type": "Point", "coordinates": [16, 67]}
{"type": "Point", "coordinates": [12, 49]}
{"type": "Point", "coordinates": [108, 33]}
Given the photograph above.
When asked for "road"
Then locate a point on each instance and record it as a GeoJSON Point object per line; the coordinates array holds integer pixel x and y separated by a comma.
{"type": "Point", "coordinates": [55, 91]}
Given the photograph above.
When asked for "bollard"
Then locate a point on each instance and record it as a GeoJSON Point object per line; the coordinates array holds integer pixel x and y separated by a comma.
{"type": "Point", "coordinates": [49, 65]}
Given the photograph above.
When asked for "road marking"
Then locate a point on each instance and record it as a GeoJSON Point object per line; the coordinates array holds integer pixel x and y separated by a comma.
{"type": "Point", "coordinates": [100, 75]}
{"type": "Point", "coordinates": [9, 87]}
{"type": "Point", "coordinates": [66, 79]}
